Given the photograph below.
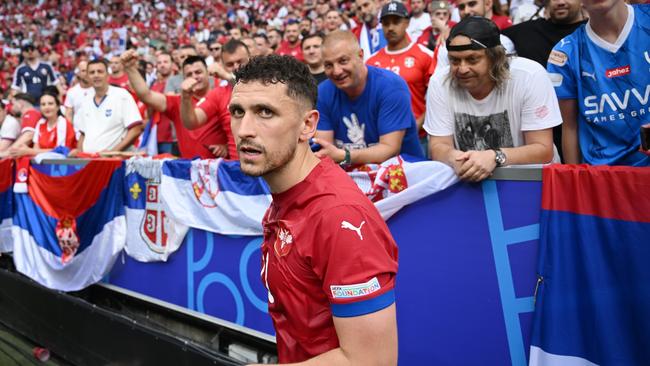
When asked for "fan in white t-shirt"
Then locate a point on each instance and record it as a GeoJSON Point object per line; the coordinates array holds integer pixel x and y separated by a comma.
{"type": "Point", "coordinates": [487, 110]}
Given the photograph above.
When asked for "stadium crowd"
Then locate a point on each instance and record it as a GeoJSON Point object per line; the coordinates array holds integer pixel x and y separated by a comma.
{"type": "Point", "coordinates": [474, 96]}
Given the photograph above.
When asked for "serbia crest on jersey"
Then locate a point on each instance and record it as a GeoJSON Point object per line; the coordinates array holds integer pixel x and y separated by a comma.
{"type": "Point", "coordinates": [611, 84]}
{"type": "Point", "coordinates": [6, 208]}
{"type": "Point", "coordinates": [68, 230]}
{"type": "Point", "coordinates": [152, 234]}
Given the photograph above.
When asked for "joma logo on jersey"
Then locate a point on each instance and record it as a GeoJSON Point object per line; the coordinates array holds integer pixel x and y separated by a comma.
{"type": "Point", "coordinates": [617, 71]}
{"type": "Point", "coordinates": [596, 103]}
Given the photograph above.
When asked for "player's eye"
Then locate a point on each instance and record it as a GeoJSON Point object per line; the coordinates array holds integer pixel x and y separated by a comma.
{"type": "Point", "coordinates": [236, 112]}
{"type": "Point", "coordinates": [265, 113]}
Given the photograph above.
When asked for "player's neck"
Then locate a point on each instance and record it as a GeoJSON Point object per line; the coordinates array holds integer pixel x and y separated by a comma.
{"type": "Point", "coordinates": [608, 24]}
{"type": "Point", "coordinates": [294, 172]}
{"type": "Point", "coordinates": [100, 93]}
{"type": "Point", "coordinates": [51, 121]}
{"type": "Point", "coordinates": [399, 45]}
{"type": "Point", "coordinates": [482, 90]}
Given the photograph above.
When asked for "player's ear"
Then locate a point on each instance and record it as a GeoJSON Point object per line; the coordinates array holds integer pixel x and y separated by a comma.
{"type": "Point", "coordinates": [310, 121]}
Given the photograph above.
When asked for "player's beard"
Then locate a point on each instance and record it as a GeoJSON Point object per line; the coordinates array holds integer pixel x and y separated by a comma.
{"type": "Point", "coordinates": [271, 161]}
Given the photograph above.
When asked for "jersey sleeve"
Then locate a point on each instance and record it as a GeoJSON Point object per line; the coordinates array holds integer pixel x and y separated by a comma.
{"type": "Point", "coordinates": [356, 258]}
{"type": "Point", "coordinates": [18, 82]}
{"type": "Point", "coordinates": [561, 70]}
{"type": "Point", "coordinates": [29, 120]}
{"type": "Point", "coordinates": [540, 107]}
{"type": "Point", "coordinates": [324, 109]}
{"type": "Point", "coordinates": [212, 104]}
{"type": "Point", "coordinates": [438, 120]}
{"type": "Point", "coordinates": [130, 112]}
{"type": "Point", "coordinates": [172, 109]}
{"type": "Point", "coordinates": [10, 129]}
{"type": "Point", "coordinates": [395, 111]}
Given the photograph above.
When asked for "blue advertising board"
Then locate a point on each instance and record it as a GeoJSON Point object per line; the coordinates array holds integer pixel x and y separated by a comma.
{"type": "Point", "coordinates": [467, 259]}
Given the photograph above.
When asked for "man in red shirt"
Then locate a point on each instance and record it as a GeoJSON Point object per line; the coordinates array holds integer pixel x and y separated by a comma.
{"type": "Point", "coordinates": [23, 107]}
{"type": "Point", "coordinates": [234, 55]}
{"type": "Point", "coordinates": [118, 77]}
{"type": "Point", "coordinates": [211, 140]}
{"type": "Point", "coordinates": [291, 44]}
{"type": "Point", "coordinates": [328, 259]}
{"type": "Point", "coordinates": [165, 134]}
{"type": "Point", "coordinates": [411, 61]}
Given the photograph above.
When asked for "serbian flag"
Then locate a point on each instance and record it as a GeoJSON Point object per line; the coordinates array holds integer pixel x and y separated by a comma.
{"type": "Point", "coordinates": [68, 230]}
{"type": "Point", "coordinates": [593, 296]}
{"type": "Point", "coordinates": [152, 234]}
{"type": "Point", "coordinates": [6, 208]}
{"type": "Point", "coordinates": [400, 181]}
{"type": "Point", "coordinates": [214, 195]}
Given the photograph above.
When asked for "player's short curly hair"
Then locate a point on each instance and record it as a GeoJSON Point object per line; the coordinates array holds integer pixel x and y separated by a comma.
{"type": "Point", "coordinates": [287, 70]}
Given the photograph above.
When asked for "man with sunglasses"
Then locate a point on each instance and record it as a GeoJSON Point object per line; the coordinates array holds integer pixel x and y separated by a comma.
{"type": "Point", "coordinates": [215, 53]}
{"type": "Point", "coordinates": [33, 75]}
{"type": "Point", "coordinates": [488, 110]}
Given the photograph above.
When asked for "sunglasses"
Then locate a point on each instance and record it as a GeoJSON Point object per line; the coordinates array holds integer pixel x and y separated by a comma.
{"type": "Point", "coordinates": [215, 48]}
{"type": "Point", "coordinates": [471, 4]}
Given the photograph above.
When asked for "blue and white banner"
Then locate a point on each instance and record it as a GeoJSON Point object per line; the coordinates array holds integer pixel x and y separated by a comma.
{"type": "Point", "coordinates": [68, 231]}
{"type": "Point", "coordinates": [215, 196]}
{"type": "Point", "coordinates": [151, 234]}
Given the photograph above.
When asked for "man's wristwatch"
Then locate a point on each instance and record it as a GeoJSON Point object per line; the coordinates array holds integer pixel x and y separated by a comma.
{"type": "Point", "coordinates": [347, 160]}
{"type": "Point", "coordinates": [500, 157]}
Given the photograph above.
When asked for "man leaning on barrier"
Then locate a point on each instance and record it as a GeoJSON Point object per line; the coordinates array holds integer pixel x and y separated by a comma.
{"type": "Point", "coordinates": [486, 110]}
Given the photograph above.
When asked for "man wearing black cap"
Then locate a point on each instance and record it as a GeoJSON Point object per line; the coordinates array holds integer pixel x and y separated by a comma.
{"type": "Point", "coordinates": [411, 61]}
{"type": "Point", "coordinates": [485, 110]}
{"type": "Point", "coordinates": [33, 75]}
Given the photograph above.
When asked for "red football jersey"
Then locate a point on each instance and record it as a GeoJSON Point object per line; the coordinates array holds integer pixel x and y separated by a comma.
{"type": "Point", "coordinates": [215, 105]}
{"type": "Point", "coordinates": [414, 65]}
{"type": "Point", "coordinates": [502, 21]}
{"type": "Point", "coordinates": [48, 137]}
{"type": "Point", "coordinates": [122, 81]}
{"type": "Point", "coordinates": [285, 49]}
{"type": "Point", "coordinates": [192, 143]}
{"type": "Point", "coordinates": [326, 252]}
{"type": "Point", "coordinates": [28, 120]}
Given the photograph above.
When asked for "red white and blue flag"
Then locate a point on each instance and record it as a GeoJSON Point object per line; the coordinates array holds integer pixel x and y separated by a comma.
{"type": "Point", "coordinates": [68, 230]}
{"type": "Point", "coordinates": [214, 195]}
{"type": "Point", "coordinates": [151, 234]}
{"type": "Point", "coordinates": [6, 207]}
{"type": "Point", "coordinates": [593, 298]}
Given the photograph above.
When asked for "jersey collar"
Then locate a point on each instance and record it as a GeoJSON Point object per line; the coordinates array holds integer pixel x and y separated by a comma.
{"type": "Point", "coordinates": [613, 47]}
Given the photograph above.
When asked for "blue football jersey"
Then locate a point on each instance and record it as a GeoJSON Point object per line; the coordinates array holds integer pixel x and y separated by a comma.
{"type": "Point", "coordinates": [34, 81]}
{"type": "Point", "coordinates": [611, 84]}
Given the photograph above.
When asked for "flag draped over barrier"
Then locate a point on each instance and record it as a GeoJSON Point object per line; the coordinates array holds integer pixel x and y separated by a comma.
{"type": "Point", "coordinates": [6, 207]}
{"type": "Point", "coordinates": [67, 231]}
{"type": "Point", "coordinates": [151, 234]}
{"type": "Point", "coordinates": [214, 195]}
{"type": "Point", "coordinates": [594, 279]}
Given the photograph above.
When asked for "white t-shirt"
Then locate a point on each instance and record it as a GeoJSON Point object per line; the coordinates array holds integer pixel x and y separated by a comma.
{"type": "Point", "coordinates": [418, 25]}
{"type": "Point", "coordinates": [10, 129]}
{"type": "Point", "coordinates": [75, 97]}
{"type": "Point", "coordinates": [526, 102]}
{"type": "Point", "coordinates": [105, 125]}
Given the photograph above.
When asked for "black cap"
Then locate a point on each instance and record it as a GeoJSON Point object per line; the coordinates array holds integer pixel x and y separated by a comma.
{"type": "Point", "coordinates": [482, 32]}
{"type": "Point", "coordinates": [394, 8]}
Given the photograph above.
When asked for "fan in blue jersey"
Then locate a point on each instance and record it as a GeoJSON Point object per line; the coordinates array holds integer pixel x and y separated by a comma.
{"type": "Point", "coordinates": [601, 75]}
{"type": "Point", "coordinates": [33, 75]}
{"type": "Point", "coordinates": [365, 112]}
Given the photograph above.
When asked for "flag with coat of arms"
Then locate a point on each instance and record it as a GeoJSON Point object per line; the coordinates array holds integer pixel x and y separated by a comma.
{"type": "Point", "coordinates": [151, 234]}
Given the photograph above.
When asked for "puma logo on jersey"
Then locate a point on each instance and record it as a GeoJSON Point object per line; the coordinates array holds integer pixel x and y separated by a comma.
{"type": "Point", "coordinates": [592, 75]}
{"type": "Point", "coordinates": [347, 225]}
{"type": "Point", "coordinates": [647, 57]}
{"type": "Point", "coordinates": [563, 42]}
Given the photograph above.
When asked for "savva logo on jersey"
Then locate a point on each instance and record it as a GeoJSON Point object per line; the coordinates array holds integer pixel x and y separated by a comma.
{"type": "Point", "coordinates": [617, 102]}
{"type": "Point", "coordinates": [617, 71]}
